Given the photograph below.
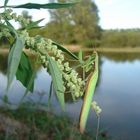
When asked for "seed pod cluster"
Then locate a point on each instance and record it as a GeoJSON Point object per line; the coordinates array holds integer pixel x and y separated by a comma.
{"type": "Point", "coordinates": [96, 108]}
{"type": "Point", "coordinates": [72, 82]}
{"type": "Point", "coordinates": [42, 46]}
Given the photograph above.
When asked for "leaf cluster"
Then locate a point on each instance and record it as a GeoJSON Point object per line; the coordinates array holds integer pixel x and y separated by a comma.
{"type": "Point", "coordinates": [18, 62]}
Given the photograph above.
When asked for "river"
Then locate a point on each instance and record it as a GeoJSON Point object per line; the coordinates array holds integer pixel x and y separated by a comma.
{"type": "Point", "coordinates": [117, 93]}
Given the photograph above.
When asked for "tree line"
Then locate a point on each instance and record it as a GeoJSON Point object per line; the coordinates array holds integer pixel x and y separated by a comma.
{"type": "Point", "coordinates": [80, 25]}
{"type": "Point", "coordinates": [120, 38]}
{"type": "Point", "coordinates": [76, 25]}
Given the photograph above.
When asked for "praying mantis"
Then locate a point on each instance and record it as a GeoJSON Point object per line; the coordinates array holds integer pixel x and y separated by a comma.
{"type": "Point", "coordinates": [90, 89]}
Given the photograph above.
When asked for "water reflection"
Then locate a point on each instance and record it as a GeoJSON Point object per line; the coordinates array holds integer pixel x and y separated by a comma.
{"type": "Point", "coordinates": [118, 94]}
{"type": "Point", "coordinates": [121, 57]}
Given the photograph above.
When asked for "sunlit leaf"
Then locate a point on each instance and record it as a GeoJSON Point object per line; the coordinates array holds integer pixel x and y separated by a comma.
{"type": "Point", "coordinates": [90, 89]}
{"type": "Point", "coordinates": [57, 81]}
{"type": "Point", "coordinates": [24, 71]}
{"type": "Point", "coordinates": [14, 60]}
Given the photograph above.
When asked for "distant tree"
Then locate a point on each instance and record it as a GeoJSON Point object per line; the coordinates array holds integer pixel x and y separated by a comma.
{"type": "Point", "coordinates": [78, 24]}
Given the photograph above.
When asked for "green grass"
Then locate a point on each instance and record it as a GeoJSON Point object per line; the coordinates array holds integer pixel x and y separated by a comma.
{"type": "Point", "coordinates": [32, 124]}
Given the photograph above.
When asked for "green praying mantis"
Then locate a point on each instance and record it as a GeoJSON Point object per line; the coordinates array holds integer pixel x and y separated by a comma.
{"type": "Point", "coordinates": [90, 89]}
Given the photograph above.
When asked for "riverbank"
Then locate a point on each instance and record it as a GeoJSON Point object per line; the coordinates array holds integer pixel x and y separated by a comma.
{"type": "Point", "coordinates": [33, 124]}
{"type": "Point", "coordinates": [76, 48]}
{"type": "Point", "coordinates": [28, 123]}
{"type": "Point", "coordinates": [119, 50]}
{"type": "Point", "coordinates": [3, 51]}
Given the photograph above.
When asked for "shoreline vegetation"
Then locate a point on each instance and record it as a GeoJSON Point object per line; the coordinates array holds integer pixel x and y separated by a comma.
{"type": "Point", "coordinates": [76, 48]}
{"type": "Point", "coordinates": [27, 123]}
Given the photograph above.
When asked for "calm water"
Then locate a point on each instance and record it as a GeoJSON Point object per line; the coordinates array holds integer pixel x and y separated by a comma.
{"type": "Point", "coordinates": [118, 94]}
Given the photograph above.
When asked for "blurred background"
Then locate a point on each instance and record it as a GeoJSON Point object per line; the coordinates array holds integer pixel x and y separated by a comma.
{"type": "Point", "coordinates": [113, 28]}
{"type": "Point", "coordinates": [91, 23]}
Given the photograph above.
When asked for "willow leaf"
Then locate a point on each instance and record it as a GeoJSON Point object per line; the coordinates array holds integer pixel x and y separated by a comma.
{"type": "Point", "coordinates": [46, 6]}
{"type": "Point", "coordinates": [5, 3]}
{"type": "Point", "coordinates": [57, 81]}
{"type": "Point", "coordinates": [14, 60]}
{"type": "Point", "coordinates": [11, 28]}
{"type": "Point", "coordinates": [24, 71]}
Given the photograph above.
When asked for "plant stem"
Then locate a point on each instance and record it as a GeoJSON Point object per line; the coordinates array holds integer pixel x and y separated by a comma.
{"type": "Point", "coordinates": [98, 126]}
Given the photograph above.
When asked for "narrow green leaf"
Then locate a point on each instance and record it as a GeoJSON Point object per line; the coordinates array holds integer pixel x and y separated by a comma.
{"type": "Point", "coordinates": [80, 56]}
{"type": "Point", "coordinates": [65, 50]}
{"type": "Point", "coordinates": [46, 6]}
{"type": "Point", "coordinates": [24, 71]}
{"type": "Point", "coordinates": [90, 89]}
{"type": "Point", "coordinates": [11, 28]}
{"type": "Point", "coordinates": [14, 60]}
{"type": "Point", "coordinates": [5, 3]}
{"type": "Point", "coordinates": [34, 24]}
{"type": "Point", "coordinates": [57, 81]}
